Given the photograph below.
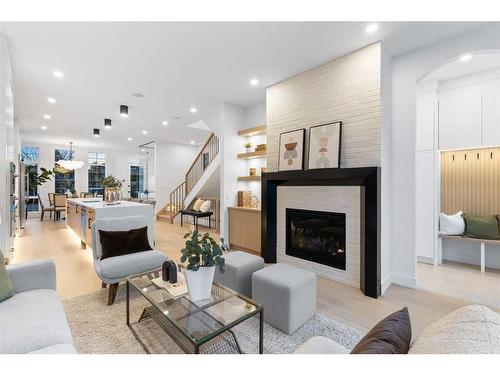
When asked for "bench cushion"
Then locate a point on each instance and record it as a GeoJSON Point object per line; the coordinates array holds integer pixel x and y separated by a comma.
{"type": "Point", "coordinates": [195, 213]}
{"type": "Point", "coordinates": [482, 227]}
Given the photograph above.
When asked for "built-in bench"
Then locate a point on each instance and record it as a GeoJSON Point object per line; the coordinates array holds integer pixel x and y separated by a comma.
{"type": "Point", "coordinates": [482, 242]}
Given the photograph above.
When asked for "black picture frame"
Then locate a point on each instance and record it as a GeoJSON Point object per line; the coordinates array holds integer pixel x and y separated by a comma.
{"type": "Point", "coordinates": [303, 136]}
{"type": "Point", "coordinates": [335, 123]}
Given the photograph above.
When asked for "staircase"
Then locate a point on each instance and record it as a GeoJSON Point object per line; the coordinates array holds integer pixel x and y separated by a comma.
{"type": "Point", "coordinates": [207, 154]}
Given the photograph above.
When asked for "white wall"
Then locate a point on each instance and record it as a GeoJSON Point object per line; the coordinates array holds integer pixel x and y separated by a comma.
{"type": "Point", "coordinates": [230, 145]}
{"type": "Point", "coordinates": [8, 141]}
{"type": "Point", "coordinates": [172, 163]}
{"type": "Point", "coordinates": [407, 70]}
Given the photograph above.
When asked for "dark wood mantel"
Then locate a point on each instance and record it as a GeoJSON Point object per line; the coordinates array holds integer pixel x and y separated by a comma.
{"type": "Point", "coordinates": [368, 178]}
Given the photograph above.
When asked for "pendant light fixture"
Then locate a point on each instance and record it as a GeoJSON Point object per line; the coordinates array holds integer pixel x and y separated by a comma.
{"type": "Point", "coordinates": [124, 110]}
{"type": "Point", "coordinates": [107, 123]}
{"type": "Point", "coordinates": [96, 132]}
{"type": "Point", "coordinates": [70, 164]}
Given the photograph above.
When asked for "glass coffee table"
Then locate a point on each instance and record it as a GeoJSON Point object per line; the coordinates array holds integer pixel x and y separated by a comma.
{"type": "Point", "coordinates": [195, 326]}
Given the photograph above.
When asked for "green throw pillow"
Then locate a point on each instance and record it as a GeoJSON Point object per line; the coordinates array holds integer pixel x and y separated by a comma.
{"type": "Point", "coordinates": [482, 227]}
{"type": "Point", "coordinates": [6, 288]}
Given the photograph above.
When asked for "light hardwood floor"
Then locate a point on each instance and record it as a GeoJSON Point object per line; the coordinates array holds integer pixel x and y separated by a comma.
{"type": "Point", "coordinates": [76, 276]}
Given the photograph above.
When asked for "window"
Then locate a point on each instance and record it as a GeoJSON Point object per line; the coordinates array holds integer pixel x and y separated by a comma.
{"type": "Point", "coordinates": [97, 171]}
{"type": "Point", "coordinates": [64, 179]}
{"type": "Point", "coordinates": [30, 156]}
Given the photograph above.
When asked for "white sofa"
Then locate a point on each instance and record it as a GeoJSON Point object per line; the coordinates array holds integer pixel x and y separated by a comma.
{"type": "Point", "coordinates": [33, 319]}
{"type": "Point", "coordinates": [471, 329]}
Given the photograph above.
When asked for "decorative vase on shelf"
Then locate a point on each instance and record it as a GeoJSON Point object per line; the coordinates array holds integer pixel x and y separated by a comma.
{"type": "Point", "coordinates": [199, 283]}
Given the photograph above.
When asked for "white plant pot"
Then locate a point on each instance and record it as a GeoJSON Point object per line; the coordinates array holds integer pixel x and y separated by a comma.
{"type": "Point", "coordinates": [200, 282]}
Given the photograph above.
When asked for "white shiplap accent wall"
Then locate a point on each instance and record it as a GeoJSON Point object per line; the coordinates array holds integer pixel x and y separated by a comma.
{"type": "Point", "coordinates": [343, 199]}
{"type": "Point", "coordinates": [345, 89]}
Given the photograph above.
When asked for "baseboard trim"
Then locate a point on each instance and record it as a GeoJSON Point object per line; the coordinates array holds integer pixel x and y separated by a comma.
{"type": "Point", "coordinates": [385, 284]}
{"type": "Point", "coordinates": [409, 282]}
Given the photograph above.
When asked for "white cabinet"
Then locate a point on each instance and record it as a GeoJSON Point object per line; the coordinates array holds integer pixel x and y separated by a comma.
{"type": "Point", "coordinates": [426, 103]}
{"type": "Point", "coordinates": [491, 116]}
{"type": "Point", "coordinates": [425, 185]}
{"type": "Point", "coordinates": [460, 121]}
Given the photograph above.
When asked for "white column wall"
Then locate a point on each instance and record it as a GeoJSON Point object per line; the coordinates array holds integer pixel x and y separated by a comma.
{"type": "Point", "coordinates": [407, 70]}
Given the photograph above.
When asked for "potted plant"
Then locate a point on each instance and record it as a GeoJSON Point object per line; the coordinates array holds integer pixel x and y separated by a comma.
{"type": "Point", "coordinates": [112, 187]}
{"type": "Point", "coordinates": [248, 146]}
{"type": "Point", "coordinates": [202, 254]}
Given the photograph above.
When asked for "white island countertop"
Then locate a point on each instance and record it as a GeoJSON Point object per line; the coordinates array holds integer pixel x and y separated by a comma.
{"type": "Point", "coordinates": [97, 203]}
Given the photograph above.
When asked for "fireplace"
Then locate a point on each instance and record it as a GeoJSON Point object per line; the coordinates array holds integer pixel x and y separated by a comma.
{"type": "Point", "coordinates": [316, 236]}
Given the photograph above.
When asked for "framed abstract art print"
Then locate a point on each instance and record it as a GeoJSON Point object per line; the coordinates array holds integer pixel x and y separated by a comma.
{"type": "Point", "coordinates": [324, 145]}
{"type": "Point", "coordinates": [291, 150]}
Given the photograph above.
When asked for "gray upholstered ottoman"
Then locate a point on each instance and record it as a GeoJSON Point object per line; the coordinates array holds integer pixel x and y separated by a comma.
{"type": "Point", "coordinates": [238, 271]}
{"type": "Point", "coordinates": [288, 295]}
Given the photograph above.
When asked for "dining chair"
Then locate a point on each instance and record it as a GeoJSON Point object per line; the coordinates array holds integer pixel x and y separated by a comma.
{"type": "Point", "coordinates": [44, 209]}
{"type": "Point", "coordinates": [59, 205]}
{"type": "Point", "coordinates": [51, 199]}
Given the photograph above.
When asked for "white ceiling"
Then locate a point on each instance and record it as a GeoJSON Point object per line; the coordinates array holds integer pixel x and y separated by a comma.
{"type": "Point", "coordinates": [175, 66]}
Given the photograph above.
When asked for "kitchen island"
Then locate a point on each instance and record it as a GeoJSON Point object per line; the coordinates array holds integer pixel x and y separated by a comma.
{"type": "Point", "coordinates": [82, 212]}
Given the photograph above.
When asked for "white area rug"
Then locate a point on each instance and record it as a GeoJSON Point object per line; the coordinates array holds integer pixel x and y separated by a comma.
{"type": "Point", "coordinates": [461, 281]}
{"type": "Point", "coordinates": [98, 328]}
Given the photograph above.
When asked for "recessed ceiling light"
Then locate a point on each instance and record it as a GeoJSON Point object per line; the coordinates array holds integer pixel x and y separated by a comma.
{"type": "Point", "coordinates": [51, 100]}
{"type": "Point", "coordinates": [43, 127]}
{"type": "Point", "coordinates": [123, 110]}
{"type": "Point", "coordinates": [130, 139]}
{"type": "Point", "coordinates": [192, 142]}
{"type": "Point", "coordinates": [138, 95]}
{"type": "Point", "coordinates": [58, 74]}
{"type": "Point", "coordinates": [143, 150]}
{"type": "Point", "coordinates": [107, 123]}
{"type": "Point", "coordinates": [164, 123]}
{"type": "Point", "coordinates": [46, 117]}
{"type": "Point", "coordinates": [96, 132]}
{"type": "Point", "coordinates": [465, 57]}
{"type": "Point", "coordinates": [254, 81]}
{"type": "Point", "coordinates": [193, 109]}
{"type": "Point", "coordinates": [371, 28]}
{"type": "Point", "coordinates": [144, 132]}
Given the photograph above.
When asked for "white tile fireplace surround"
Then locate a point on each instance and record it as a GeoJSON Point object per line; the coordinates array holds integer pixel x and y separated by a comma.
{"type": "Point", "coordinates": [342, 199]}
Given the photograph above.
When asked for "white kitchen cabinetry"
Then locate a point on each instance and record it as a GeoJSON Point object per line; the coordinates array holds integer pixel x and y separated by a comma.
{"type": "Point", "coordinates": [425, 183]}
{"type": "Point", "coordinates": [460, 121]}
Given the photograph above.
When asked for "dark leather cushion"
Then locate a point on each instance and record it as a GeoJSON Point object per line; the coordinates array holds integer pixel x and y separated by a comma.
{"type": "Point", "coordinates": [115, 243]}
{"type": "Point", "coordinates": [392, 335]}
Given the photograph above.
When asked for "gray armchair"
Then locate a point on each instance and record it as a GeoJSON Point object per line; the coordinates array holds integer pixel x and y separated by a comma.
{"type": "Point", "coordinates": [114, 270]}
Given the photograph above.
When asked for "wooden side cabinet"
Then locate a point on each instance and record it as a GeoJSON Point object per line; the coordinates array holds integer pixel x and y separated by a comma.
{"type": "Point", "coordinates": [244, 229]}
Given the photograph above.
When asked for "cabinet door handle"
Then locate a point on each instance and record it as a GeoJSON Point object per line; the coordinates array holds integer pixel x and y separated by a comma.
{"type": "Point", "coordinates": [90, 219]}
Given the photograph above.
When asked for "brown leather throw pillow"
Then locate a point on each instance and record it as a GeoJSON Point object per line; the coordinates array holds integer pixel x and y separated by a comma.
{"type": "Point", "coordinates": [392, 335]}
{"type": "Point", "coordinates": [115, 243]}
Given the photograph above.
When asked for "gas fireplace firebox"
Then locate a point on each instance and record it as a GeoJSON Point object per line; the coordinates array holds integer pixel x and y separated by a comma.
{"type": "Point", "coordinates": [316, 236]}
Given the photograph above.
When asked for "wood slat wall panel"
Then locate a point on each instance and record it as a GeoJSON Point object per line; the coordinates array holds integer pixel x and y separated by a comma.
{"type": "Point", "coordinates": [470, 181]}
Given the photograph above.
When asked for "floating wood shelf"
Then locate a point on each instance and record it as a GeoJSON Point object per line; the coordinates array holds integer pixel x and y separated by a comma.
{"type": "Point", "coordinates": [261, 129]}
{"type": "Point", "coordinates": [252, 155]}
{"type": "Point", "coordinates": [249, 178]}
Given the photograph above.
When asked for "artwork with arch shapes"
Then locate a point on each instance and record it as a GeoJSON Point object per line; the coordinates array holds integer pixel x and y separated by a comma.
{"type": "Point", "coordinates": [324, 145]}
{"type": "Point", "coordinates": [291, 150]}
